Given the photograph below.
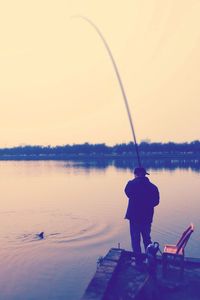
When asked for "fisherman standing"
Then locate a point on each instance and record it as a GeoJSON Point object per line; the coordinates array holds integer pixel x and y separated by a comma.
{"type": "Point", "coordinates": [143, 197]}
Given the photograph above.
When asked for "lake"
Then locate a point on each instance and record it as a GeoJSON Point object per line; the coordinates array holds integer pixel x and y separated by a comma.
{"type": "Point", "coordinates": [80, 208]}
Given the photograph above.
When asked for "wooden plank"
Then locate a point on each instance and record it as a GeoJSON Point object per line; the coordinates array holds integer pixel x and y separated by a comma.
{"type": "Point", "coordinates": [98, 285]}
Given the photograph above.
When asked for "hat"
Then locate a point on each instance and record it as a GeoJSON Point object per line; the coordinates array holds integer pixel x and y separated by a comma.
{"type": "Point", "coordinates": [140, 171]}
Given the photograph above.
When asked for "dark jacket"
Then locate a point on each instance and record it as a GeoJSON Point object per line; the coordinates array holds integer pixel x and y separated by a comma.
{"type": "Point", "coordinates": [143, 196]}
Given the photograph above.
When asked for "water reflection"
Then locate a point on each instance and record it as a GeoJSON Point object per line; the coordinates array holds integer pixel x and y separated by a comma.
{"type": "Point", "coordinates": [80, 207]}
{"type": "Point", "coordinates": [129, 164]}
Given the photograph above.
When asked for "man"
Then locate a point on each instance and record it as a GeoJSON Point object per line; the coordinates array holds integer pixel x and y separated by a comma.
{"type": "Point", "coordinates": [143, 197]}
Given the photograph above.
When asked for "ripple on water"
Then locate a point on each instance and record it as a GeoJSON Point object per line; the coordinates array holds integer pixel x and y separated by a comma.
{"type": "Point", "coordinates": [82, 230]}
{"type": "Point", "coordinates": [59, 228]}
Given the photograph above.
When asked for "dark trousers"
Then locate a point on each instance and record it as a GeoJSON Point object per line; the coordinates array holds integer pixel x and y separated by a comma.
{"type": "Point", "coordinates": [136, 231]}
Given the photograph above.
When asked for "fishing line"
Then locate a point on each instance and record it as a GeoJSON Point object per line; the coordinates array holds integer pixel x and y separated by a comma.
{"type": "Point", "coordinates": [120, 83]}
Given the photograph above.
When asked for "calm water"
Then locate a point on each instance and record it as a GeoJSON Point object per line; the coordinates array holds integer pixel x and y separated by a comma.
{"type": "Point", "coordinates": [81, 211]}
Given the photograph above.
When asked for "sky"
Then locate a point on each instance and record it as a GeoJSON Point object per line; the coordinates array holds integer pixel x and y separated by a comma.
{"type": "Point", "coordinates": [58, 85]}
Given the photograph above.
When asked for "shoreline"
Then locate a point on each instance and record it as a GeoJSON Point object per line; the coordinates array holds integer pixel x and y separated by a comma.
{"type": "Point", "coordinates": [80, 156]}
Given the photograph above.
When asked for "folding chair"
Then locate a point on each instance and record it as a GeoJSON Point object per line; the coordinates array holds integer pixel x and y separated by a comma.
{"type": "Point", "coordinates": [173, 253]}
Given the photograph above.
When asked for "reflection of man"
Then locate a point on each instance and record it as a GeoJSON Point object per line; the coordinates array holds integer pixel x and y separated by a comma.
{"type": "Point", "coordinates": [143, 196]}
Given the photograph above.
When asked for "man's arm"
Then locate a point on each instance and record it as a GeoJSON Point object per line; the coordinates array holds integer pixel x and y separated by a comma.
{"type": "Point", "coordinates": [156, 196]}
{"type": "Point", "coordinates": [128, 189]}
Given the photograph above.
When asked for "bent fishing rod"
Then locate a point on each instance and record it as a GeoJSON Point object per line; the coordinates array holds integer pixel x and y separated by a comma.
{"type": "Point", "coordinates": [120, 83]}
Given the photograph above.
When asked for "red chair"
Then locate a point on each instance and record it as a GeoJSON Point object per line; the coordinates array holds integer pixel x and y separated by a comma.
{"type": "Point", "coordinates": [174, 253]}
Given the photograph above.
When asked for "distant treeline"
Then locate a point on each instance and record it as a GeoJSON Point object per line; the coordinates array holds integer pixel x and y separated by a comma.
{"type": "Point", "coordinates": [123, 149]}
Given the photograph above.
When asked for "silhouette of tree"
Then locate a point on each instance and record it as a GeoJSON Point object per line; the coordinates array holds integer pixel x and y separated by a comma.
{"type": "Point", "coordinates": [86, 149]}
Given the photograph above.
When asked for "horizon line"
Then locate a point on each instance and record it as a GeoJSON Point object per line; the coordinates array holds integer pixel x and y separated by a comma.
{"type": "Point", "coordinates": [99, 143]}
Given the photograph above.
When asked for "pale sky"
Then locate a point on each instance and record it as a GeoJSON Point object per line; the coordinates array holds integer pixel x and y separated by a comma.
{"type": "Point", "coordinates": [58, 86]}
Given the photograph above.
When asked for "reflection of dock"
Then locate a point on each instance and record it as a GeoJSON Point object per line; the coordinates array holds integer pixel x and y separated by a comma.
{"type": "Point", "coordinates": [117, 278]}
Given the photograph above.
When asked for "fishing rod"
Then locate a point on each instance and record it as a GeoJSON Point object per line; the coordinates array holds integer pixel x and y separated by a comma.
{"type": "Point", "coordinates": [120, 83]}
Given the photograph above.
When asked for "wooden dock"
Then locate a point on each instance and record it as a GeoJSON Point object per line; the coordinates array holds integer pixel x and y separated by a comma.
{"type": "Point", "coordinates": [117, 278]}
